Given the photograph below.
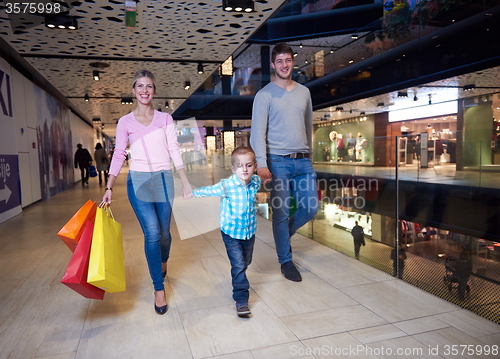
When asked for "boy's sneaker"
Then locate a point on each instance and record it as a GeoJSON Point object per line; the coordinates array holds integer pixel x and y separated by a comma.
{"type": "Point", "coordinates": [242, 310]}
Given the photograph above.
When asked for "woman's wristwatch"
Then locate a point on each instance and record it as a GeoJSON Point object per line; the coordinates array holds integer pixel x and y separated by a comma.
{"type": "Point", "coordinates": [110, 189]}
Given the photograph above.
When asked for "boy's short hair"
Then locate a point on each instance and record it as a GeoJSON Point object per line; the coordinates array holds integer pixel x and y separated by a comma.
{"type": "Point", "coordinates": [243, 150]}
{"type": "Point", "coordinates": [281, 48]}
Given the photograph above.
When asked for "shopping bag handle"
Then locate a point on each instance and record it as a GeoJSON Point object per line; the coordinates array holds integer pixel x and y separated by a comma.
{"type": "Point", "coordinates": [107, 208]}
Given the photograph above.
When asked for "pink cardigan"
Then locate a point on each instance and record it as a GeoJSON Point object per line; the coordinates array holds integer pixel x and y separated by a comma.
{"type": "Point", "coordinates": [151, 147]}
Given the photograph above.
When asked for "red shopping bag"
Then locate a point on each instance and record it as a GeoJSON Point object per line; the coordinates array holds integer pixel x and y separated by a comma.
{"type": "Point", "coordinates": [72, 231]}
{"type": "Point", "coordinates": [76, 273]}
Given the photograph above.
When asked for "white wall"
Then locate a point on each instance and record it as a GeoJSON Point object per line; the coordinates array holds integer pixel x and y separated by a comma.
{"type": "Point", "coordinates": [19, 141]}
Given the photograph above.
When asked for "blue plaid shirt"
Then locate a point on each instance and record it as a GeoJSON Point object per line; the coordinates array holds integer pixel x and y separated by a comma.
{"type": "Point", "coordinates": [238, 207]}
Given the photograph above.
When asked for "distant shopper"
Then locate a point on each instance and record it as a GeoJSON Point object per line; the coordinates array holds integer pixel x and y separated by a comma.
{"type": "Point", "coordinates": [282, 140]}
{"type": "Point", "coordinates": [238, 219]}
{"type": "Point", "coordinates": [101, 162]}
{"type": "Point", "coordinates": [358, 235]}
{"type": "Point", "coordinates": [463, 270]}
{"type": "Point", "coordinates": [83, 160]}
{"type": "Point", "coordinates": [398, 260]}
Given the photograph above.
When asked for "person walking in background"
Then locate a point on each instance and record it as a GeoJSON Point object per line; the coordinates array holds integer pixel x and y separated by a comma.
{"type": "Point", "coordinates": [83, 160]}
{"type": "Point", "coordinates": [463, 270]}
{"type": "Point", "coordinates": [150, 183]}
{"type": "Point", "coordinates": [101, 162]}
{"type": "Point", "coordinates": [358, 236]}
{"type": "Point", "coordinates": [238, 219]}
{"type": "Point", "coordinates": [282, 140]}
{"type": "Point", "coordinates": [398, 260]}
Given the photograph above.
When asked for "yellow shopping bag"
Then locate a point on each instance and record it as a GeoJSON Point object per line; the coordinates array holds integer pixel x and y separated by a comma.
{"type": "Point", "coordinates": [107, 266]}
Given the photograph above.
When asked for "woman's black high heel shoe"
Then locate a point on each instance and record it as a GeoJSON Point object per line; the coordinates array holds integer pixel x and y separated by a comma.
{"type": "Point", "coordinates": [163, 309]}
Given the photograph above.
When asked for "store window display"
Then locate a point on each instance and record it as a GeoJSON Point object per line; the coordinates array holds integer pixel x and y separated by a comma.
{"type": "Point", "coordinates": [349, 141]}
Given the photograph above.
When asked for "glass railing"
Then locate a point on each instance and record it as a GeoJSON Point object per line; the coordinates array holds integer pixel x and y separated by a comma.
{"type": "Point", "coordinates": [440, 206]}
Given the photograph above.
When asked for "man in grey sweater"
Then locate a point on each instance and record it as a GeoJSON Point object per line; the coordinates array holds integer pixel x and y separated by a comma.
{"type": "Point", "coordinates": [282, 140]}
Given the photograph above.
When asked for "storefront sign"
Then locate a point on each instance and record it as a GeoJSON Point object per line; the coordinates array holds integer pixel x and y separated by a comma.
{"type": "Point", "coordinates": [438, 109]}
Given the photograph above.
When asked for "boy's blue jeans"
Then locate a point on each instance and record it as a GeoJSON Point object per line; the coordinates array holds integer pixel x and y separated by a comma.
{"type": "Point", "coordinates": [291, 178]}
{"type": "Point", "coordinates": [239, 252]}
{"type": "Point", "coordinates": [151, 196]}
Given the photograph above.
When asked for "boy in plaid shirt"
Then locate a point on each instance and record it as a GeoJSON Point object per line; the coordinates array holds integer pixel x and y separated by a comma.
{"type": "Point", "coordinates": [238, 219]}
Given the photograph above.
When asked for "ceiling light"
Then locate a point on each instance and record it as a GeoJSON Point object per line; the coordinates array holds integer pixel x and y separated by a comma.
{"type": "Point", "coordinates": [354, 36]}
{"type": "Point", "coordinates": [86, 97]}
{"type": "Point", "coordinates": [166, 104]}
{"type": "Point", "coordinates": [238, 5]}
{"type": "Point", "coordinates": [61, 21]}
{"type": "Point", "coordinates": [351, 61]}
{"type": "Point", "coordinates": [380, 104]}
{"type": "Point", "coordinates": [187, 85]}
{"type": "Point", "coordinates": [95, 75]}
{"type": "Point", "coordinates": [127, 101]}
{"type": "Point", "coordinates": [339, 108]}
{"type": "Point", "coordinates": [415, 98]}
{"type": "Point", "coordinates": [402, 93]}
{"type": "Point", "coordinates": [469, 87]}
{"type": "Point", "coordinates": [362, 113]}
{"type": "Point", "coordinates": [96, 119]}
{"type": "Point", "coordinates": [332, 51]}
{"type": "Point", "coordinates": [200, 68]}
{"type": "Point", "coordinates": [294, 54]}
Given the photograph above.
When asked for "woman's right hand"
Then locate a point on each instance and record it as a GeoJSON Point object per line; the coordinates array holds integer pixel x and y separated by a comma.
{"type": "Point", "coordinates": [107, 196]}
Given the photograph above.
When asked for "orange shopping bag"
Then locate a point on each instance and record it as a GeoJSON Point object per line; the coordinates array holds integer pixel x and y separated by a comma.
{"type": "Point", "coordinates": [76, 273]}
{"type": "Point", "coordinates": [72, 231]}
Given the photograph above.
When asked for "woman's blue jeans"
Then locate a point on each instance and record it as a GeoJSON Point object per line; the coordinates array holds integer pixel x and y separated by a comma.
{"type": "Point", "coordinates": [239, 252]}
{"type": "Point", "coordinates": [292, 178]}
{"type": "Point", "coordinates": [151, 195]}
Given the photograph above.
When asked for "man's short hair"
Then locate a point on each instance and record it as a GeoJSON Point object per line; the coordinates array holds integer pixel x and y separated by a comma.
{"type": "Point", "coordinates": [281, 48]}
{"type": "Point", "coordinates": [243, 150]}
{"type": "Point", "coordinates": [79, 145]}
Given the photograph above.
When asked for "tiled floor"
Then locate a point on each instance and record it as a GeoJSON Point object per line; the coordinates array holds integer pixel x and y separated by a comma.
{"type": "Point", "coordinates": [342, 308]}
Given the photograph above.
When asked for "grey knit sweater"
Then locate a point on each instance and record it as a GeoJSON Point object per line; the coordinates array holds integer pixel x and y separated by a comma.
{"type": "Point", "coordinates": [281, 121]}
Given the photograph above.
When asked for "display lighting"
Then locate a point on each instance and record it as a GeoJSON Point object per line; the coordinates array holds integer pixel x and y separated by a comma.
{"type": "Point", "coordinates": [469, 87]}
{"type": "Point", "coordinates": [187, 85]}
{"type": "Point", "coordinates": [200, 68]}
{"type": "Point", "coordinates": [238, 5]}
{"type": "Point", "coordinates": [95, 75]}
{"type": "Point", "coordinates": [166, 104]}
{"type": "Point", "coordinates": [87, 97]}
{"type": "Point", "coordinates": [402, 93]}
{"type": "Point", "coordinates": [127, 100]}
{"type": "Point", "coordinates": [354, 36]}
{"type": "Point", "coordinates": [61, 21]}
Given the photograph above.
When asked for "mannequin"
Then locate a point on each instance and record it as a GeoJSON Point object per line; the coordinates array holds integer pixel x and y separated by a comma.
{"type": "Point", "coordinates": [333, 146]}
{"type": "Point", "coordinates": [340, 148]}
{"type": "Point", "coordinates": [351, 145]}
{"type": "Point", "coordinates": [360, 146]}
